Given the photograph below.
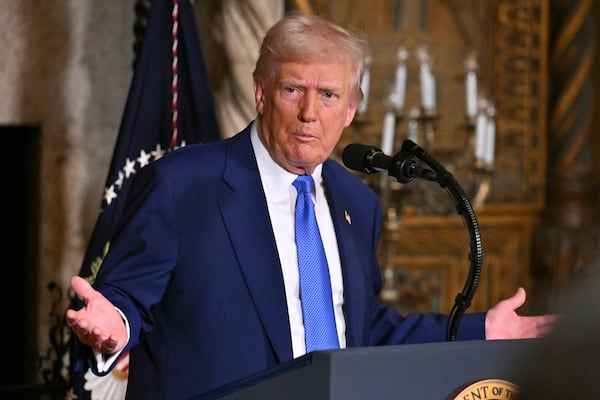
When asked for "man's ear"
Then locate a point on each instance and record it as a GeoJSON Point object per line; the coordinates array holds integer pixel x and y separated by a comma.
{"type": "Point", "coordinates": [259, 93]}
{"type": "Point", "coordinates": [350, 115]}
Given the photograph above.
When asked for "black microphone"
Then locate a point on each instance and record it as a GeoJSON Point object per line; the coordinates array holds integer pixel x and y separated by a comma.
{"type": "Point", "coordinates": [403, 167]}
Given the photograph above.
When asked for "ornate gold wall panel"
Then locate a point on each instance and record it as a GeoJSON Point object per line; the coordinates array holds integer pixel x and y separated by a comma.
{"type": "Point", "coordinates": [425, 261]}
{"type": "Point", "coordinates": [518, 77]}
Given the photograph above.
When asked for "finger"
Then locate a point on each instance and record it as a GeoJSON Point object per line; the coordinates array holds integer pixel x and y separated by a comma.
{"type": "Point", "coordinates": [101, 343]}
{"type": "Point", "coordinates": [546, 323]}
{"type": "Point", "coordinates": [84, 334]}
{"type": "Point", "coordinates": [97, 338]}
{"type": "Point", "coordinates": [82, 288]}
{"type": "Point", "coordinates": [110, 344]}
{"type": "Point", "coordinates": [538, 326]}
{"type": "Point", "coordinates": [517, 299]}
{"type": "Point", "coordinates": [71, 317]}
{"type": "Point", "coordinates": [544, 330]}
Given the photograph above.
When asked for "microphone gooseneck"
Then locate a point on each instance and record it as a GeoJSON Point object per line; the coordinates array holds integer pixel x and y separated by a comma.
{"type": "Point", "coordinates": [404, 167]}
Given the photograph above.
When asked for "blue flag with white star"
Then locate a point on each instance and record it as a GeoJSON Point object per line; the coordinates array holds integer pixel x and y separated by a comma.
{"type": "Point", "coordinates": [146, 130]}
{"type": "Point", "coordinates": [169, 105]}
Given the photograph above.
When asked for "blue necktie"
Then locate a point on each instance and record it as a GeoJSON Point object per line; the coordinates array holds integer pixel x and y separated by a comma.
{"type": "Point", "coordinates": [315, 286]}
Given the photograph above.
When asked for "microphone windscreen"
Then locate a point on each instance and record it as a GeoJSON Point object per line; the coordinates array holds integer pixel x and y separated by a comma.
{"type": "Point", "coordinates": [354, 156]}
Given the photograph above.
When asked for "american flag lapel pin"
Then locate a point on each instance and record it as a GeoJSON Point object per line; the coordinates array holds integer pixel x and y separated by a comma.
{"type": "Point", "coordinates": [347, 217]}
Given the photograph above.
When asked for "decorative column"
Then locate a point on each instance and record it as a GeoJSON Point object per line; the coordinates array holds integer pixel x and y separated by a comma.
{"type": "Point", "coordinates": [239, 26]}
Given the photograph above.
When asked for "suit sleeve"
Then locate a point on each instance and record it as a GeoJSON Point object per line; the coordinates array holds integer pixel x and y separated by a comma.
{"type": "Point", "coordinates": [137, 269]}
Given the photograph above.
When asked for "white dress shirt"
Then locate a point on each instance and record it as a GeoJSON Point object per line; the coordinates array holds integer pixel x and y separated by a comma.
{"type": "Point", "coordinates": [281, 201]}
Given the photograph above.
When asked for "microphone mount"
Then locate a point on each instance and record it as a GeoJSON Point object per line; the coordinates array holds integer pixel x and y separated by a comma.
{"type": "Point", "coordinates": [404, 168]}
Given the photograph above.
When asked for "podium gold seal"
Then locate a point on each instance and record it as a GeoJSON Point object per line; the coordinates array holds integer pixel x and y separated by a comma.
{"type": "Point", "coordinates": [489, 389]}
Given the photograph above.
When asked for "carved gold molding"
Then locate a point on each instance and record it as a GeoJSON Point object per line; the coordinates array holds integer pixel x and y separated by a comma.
{"type": "Point", "coordinates": [518, 77]}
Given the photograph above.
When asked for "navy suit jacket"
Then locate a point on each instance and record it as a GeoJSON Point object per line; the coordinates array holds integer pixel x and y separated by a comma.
{"type": "Point", "coordinates": [194, 267]}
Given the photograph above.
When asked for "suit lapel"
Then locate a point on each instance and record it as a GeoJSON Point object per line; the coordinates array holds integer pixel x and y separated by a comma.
{"type": "Point", "coordinates": [352, 271]}
{"type": "Point", "coordinates": [247, 220]}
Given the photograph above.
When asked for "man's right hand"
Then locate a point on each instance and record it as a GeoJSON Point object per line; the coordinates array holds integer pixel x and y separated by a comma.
{"type": "Point", "coordinates": [98, 324]}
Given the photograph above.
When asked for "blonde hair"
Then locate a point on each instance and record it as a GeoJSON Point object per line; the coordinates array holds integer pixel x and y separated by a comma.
{"type": "Point", "coordinates": [308, 38]}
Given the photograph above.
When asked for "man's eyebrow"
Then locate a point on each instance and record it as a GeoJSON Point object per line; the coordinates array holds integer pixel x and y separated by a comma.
{"type": "Point", "coordinates": [289, 82]}
{"type": "Point", "coordinates": [331, 88]}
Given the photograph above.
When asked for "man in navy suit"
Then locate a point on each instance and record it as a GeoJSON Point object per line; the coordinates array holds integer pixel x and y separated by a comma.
{"type": "Point", "coordinates": [201, 281]}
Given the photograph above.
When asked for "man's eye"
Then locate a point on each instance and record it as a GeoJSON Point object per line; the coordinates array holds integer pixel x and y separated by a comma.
{"type": "Point", "coordinates": [329, 95]}
{"type": "Point", "coordinates": [290, 90]}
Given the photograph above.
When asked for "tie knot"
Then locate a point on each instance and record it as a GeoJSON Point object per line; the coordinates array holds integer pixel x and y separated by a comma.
{"type": "Point", "coordinates": [304, 183]}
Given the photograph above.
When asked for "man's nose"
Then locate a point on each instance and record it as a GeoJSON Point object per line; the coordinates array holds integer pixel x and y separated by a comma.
{"type": "Point", "coordinates": [308, 108]}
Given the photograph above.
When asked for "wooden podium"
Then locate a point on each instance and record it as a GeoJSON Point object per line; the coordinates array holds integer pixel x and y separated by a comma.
{"type": "Point", "coordinates": [435, 371]}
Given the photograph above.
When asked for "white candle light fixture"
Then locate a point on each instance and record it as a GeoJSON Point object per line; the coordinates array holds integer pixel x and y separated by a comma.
{"type": "Point", "coordinates": [427, 81]}
{"type": "Point", "coordinates": [490, 136]}
{"type": "Point", "coordinates": [471, 94]}
{"type": "Point", "coordinates": [480, 129]}
{"type": "Point", "coordinates": [415, 114]}
{"type": "Point", "coordinates": [388, 131]}
{"type": "Point", "coordinates": [400, 78]}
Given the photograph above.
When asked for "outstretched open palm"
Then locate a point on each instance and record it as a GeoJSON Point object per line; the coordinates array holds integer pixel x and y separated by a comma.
{"type": "Point", "coordinates": [98, 324]}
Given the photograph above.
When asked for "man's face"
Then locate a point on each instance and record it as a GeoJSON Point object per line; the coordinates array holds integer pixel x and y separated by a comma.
{"type": "Point", "coordinates": [303, 112]}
